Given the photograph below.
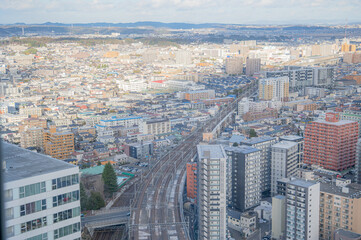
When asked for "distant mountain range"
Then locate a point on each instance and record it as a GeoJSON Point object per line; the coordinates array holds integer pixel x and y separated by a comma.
{"type": "Point", "coordinates": [177, 25]}
{"type": "Point", "coordinates": [135, 24]}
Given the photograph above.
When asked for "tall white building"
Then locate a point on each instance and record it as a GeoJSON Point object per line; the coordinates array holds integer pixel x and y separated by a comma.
{"type": "Point", "coordinates": [212, 192]}
{"type": "Point", "coordinates": [284, 162]}
{"type": "Point", "coordinates": [41, 196]}
{"type": "Point", "coordinates": [302, 211]}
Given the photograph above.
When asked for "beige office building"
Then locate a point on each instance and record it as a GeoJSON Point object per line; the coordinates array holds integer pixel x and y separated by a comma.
{"type": "Point", "coordinates": [340, 207]}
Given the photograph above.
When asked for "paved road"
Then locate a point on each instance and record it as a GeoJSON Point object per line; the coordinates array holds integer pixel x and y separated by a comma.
{"type": "Point", "coordinates": [104, 217]}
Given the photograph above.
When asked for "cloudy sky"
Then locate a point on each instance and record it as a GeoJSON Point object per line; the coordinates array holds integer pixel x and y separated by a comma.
{"type": "Point", "coordinates": [190, 11]}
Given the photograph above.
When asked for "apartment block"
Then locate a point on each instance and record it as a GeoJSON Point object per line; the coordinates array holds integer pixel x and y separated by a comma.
{"type": "Point", "coordinates": [157, 127]}
{"type": "Point", "coordinates": [200, 94]}
{"type": "Point", "coordinates": [301, 77]}
{"type": "Point", "coordinates": [302, 211]}
{"type": "Point", "coordinates": [253, 65]}
{"type": "Point", "coordinates": [340, 208]}
{"type": "Point", "coordinates": [264, 144]}
{"type": "Point", "coordinates": [300, 142]}
{"type": "Point", "coordinates": [59, 145]}
{"type": "Point", "coordinates": [352, 115]}
{"type": "Point", "coordinates": [246, 176]}
{"type": "Point", "coordinates": [212, 192]}
{"type": "Point", "coordinates": [274, 88]}
{"type": "Point", "coordinates": [234, 65]}
{"type": "Point", "coordinates": [278, 216]}
{"type": "Point", "coordinates": [192, 181]}
{"type": "Point", "coordinates": [284, 162]}
{"type": "Point", "coordinates": [32, 137]}
{"type": "Point", "coordinates": [41, 194]}
{"type": "Point", "coordinates": [331, 143]}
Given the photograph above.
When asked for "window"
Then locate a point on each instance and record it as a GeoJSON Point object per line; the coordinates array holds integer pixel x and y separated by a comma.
{"type": "Point", "coordinates": [65, 181]}
{"type": "Point", "coordinates": [32, 189]}
{"type": "Point", "coordinates": [34, 224]}
{"type": "Point", "coordinates": [43, 236]}
{"type": "Point", "coordinates": [65, 198]}
{"type": "Point", "coordinates": [32, 207]}
{"type": "Point", "coordinates": [64, 231]}
{"type": "Point", "coordinates": [67, 214]}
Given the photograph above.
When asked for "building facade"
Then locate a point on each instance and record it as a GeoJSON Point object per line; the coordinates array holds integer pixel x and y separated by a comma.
{"type": "Point", "coordinates": [274, 89]}
{"type": "Point", "coordinates": [253, 65]}
{"type": "Point", "coordinates": [331, 143]}
{"type": "Point", "coordinates": [212, 192]}
{"type": "Point", "coordinates": [42, 199]}
{"type": "Point", "coordinates": [264, 144]}
{"type": "Point", "coordinates": [59, 145]}
{"type": "Point", "coordinates": [246, 177]}
{"type": "Point", "coordinates": [302, 211]}
{"type": "Point", "coordinates": [284, 162]}
{"type": "Point", "coordinates": [192, 181]}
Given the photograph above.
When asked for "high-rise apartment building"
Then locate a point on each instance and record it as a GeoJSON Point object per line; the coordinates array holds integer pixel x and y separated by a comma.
{"type": "Point", "coordinates": [331, 143]}
{"type": "Point", "coordinates": [192, 181]}
{"type": "Point", "coordinates": [264, 144]}
{"type": "Point", "coordinates": [300, 142]}
{"type": "Point", "coordinates": [41, 196]}
{"type": "Point", "coordinates": [253, 65]}
{"type": "Point", "coordinates": [302, 211]}
{"type": "Point", "coordinates": [274, 89]}
{"type": "Point", "coordinates": [358, 161]}
{"type": "Point", "coordinates": [284, 162]}
{"type": "Point", "coordinates": [234, 65]}
{"type": "Point", "coordinates": [58, 144]}
{"type": "Point", "coordinates": [278, 216]}
{"type": "Point", "coordinates": [32, 137]}
{"type": "Point", "coordinates": [352, 115]}
{"type": "Point", "coordinates": [212, 192]}
{"type": "Point", "coordinates": [246, 176]}
{"type": "Point", "coordinates": [301, 77]}
{"type": "Point", "coordinates": [340, 207]}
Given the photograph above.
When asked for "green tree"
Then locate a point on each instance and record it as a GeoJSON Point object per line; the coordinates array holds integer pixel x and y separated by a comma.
{"type": "Point", "coordinates": [235, 144]}
{"type": "Point", "coordinates": [99, 163]}
{"type": "Point", "coordinates": [110, 179]}
{"type": "Point", "coordinates": [95, 201]}
{"type": "Point", "coordinates": [252, 133]}
{"type": "Point", "coordinates": [83, 198]}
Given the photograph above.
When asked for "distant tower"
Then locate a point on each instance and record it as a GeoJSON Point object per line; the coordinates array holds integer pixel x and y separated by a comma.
{"type": "Point", "coordinates": [23, 31]}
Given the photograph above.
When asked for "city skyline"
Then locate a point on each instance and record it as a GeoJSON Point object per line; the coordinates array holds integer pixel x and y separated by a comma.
{"type": "Point", "coordinates": [188, 11]}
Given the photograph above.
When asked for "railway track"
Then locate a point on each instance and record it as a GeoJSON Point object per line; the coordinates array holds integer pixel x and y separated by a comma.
{"type": "Point", "coordinates": [155, 210]}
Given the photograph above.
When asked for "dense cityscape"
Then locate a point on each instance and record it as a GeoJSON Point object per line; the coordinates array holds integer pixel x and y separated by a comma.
{"type": "Point", "coordinates": [181, 131]}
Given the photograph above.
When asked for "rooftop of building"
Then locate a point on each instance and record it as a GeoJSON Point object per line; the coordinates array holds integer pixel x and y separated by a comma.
{"type": "Point", "coordinates": [22, 163]}
{"type": "Point", "coordinates": [211, 151]}
{"type": "Point", "coordinates": [339, 123]}
{"type": "Point", "coordinates": [280, 197]}
{"type": "Point", "coordinates": [242, 149]}
{"type": "Point", "coordinates": [351, 191]}
{"type": "Point", "coordinates": [157, 120]}
{"type": "Point", "coordinates": [256, 140]}
{"type": "Point", "coordinates": [347, 234]}
{"type": "Point", "coordinates": [292, 138]}
{"type": "Point", "coordinates": [302, 183]}
{"type": "Point", "coordinates": [285, 144]}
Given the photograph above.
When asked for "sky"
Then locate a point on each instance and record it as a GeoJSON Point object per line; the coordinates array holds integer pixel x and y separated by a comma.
{"type": "Point", "coordinates": [189, 11]}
